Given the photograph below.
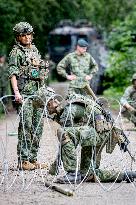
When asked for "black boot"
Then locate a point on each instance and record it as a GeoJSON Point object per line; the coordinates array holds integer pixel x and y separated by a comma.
{"type": "Point", "coordinates": [70, 177]}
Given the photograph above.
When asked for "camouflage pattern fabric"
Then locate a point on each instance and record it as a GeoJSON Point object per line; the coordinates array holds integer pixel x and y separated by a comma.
{"type": "Point", "coordinates": [43, 95]}
{"type": "Point", "coordinates": [90, 160]}
{"type": "Point", "coordinates": [87, 154]}
{"type": "Point", "coordinates": [92, 144]}
{"type": "Point", "coordinates": [109, 176]}
{"type": "Point", "coordinates": [79, 128]}
{"type": "Point", "coordinates": [31, 115]}
{"type": "Point", "coordinates": [79, 65]}
{"type": "Point", "coordinates": [29, 69]}
{"type": "Point", "coordinates": [129, 97]}
{"type": "Point", "coordinates": [29, 131]}
{"type": "Point", "coordinates": [69, 159]}
{"type": "Point", "coordinates": [22, 28]}
{"type": "Point", "coordinates": [89, 169]}
{"type": "Point", "coordinates": [80, 107]}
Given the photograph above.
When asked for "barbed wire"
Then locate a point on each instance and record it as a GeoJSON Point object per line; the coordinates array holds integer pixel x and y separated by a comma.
{"type": "Point", "coordinates": [5, 162]}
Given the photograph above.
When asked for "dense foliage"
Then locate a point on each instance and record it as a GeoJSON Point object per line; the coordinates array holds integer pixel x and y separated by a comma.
{"type": "Point", "coordinates": [44, 14]}
{"type": "Point", "coordinates": [122, 59]}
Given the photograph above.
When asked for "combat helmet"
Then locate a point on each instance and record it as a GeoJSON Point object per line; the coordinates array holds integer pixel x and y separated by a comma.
{"type": "Point", "coordinates": [22, 28]}
{"type": "Point", "coordinates": [133, 77]}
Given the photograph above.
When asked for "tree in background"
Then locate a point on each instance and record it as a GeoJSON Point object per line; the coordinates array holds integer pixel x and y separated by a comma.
{"type": "Point", "coordinates": [103, 13]}
{"type": "Point", "coordinates": [44, 14]}
{"type": "Point", "coordinates": [122, 60]}
{"type": "Point", "coordinates": [9, 11]}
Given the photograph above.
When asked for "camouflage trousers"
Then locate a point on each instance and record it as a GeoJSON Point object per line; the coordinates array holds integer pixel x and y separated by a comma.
{"type": "Point", "coordinates": [91, 148]}
{"type": "Point", "coordinates": [107, 176]}
{"type": "Point", "coordinates": [129, 115]}
{"type": "Point", "coordinates": [29, 131]}
{"type": "Point", "coordinates": [69, 114]}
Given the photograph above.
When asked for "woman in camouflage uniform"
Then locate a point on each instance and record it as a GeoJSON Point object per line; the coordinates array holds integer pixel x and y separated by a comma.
{"type": "Point", "coordinates": [27, 74]}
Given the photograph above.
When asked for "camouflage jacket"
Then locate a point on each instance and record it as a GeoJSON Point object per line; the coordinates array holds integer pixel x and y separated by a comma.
{"type": "Point", "coordinates": [78, 110]}
{"type": "Point", "coordinates": [28, 67]}
{"type": "Point", "coordinates": [83, 120]}
{"type": "Point", "coordinates": [79, 65]}
{"type": "Point", "coordinates": [129, 96]}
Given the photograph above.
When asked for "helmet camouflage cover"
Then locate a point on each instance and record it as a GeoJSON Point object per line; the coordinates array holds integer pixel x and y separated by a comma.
{"type": "Point", "coordinates": [22, 28]}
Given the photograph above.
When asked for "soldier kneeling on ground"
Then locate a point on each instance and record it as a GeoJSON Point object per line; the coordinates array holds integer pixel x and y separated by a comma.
{"type": "Point", "coordinates": [82, 123]}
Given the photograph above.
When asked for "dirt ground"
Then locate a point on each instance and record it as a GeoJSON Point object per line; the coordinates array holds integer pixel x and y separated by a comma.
{"type": "Point", "coordinates": [21, 188]}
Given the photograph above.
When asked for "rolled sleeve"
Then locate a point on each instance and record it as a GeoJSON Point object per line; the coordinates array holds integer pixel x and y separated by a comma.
{"type": "Point", "coordinates": [13, 70]}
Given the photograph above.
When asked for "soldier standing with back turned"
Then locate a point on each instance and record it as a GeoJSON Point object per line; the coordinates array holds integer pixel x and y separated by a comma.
{"type": "Point", "coordinates": [27, 74]}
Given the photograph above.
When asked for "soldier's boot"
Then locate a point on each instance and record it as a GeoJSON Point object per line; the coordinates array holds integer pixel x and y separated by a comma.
{"type": "Point", "coordinates": [89, 178]}
{"type": "Point", "coordinates": [26, 165]}
{"type": "Point", "coordinates": [39, 165]}
{"type": "Point", "coordinates": [70, 177]}
{"type": "Point", "coordinates": [129, 176]}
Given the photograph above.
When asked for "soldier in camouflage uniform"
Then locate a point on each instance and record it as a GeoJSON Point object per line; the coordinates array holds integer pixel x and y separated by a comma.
{"type": "Point", "coordinates": [27, 73]}
{"type": "Point", "coordinates": [128, 101]}
{"type": "Point", "coordinates": [78, 67]}
{"type": "Point", "coordinates": [82, 123]}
